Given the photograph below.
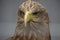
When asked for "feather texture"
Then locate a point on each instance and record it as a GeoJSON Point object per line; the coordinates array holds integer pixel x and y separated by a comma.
{"type": "Point", "coordinates": [38, 29]}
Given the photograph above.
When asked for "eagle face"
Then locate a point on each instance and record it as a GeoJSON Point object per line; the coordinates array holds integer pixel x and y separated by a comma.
{"type": "Point", "coordinates": [32, 22]}
{"type": "Point", "coordinates": [32, 12]}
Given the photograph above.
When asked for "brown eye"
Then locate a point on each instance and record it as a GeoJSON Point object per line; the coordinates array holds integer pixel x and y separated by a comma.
{"type": "Point", "coordinates": [21, 13]}
{"type": "Point", "coordinates": [35, 13]}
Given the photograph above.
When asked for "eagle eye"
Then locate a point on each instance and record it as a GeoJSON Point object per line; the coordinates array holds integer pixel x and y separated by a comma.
{"type": "Point", "coordinates": [35, 13]}
{"type": "Point", "coordinates": [21, 13]}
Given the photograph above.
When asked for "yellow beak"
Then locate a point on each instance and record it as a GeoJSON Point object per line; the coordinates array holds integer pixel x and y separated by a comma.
{"type": "Point", "coordinates": [28, 17]}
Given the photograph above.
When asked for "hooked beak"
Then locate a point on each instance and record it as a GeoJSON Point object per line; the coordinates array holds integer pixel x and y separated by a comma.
{"type": "Point", "coordinates": [27, 17]}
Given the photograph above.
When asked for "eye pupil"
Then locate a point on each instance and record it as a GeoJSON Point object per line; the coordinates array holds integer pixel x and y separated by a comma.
{"type": "Point", "coordinates": [21, 13]}
{"type": "Point", "coordinates": [35, 13]}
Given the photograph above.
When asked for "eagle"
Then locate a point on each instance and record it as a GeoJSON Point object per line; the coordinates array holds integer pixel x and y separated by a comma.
{"type": "Point", "coordinates": [32, 23]}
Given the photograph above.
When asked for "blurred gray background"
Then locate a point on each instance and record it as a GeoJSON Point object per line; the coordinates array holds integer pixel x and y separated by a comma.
{"type": "Point", "coordinates": [8, 17]}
